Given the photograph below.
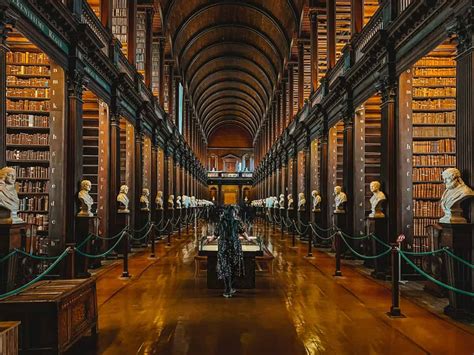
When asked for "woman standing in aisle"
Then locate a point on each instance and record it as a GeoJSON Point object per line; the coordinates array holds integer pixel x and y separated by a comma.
{"type": "Point", "coordinates": [230, 257]}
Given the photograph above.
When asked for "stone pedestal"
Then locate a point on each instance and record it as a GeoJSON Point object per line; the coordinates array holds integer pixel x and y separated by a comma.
{"type": "Point", "coordinates": [11, 237]}
{"type": "Point", "coordinates": [460, 239]}
{"type": "Point", "coordinates": [84, 226]}
{"type": "Point", "coordinates": [381, 265]}
{"type": "Point", "coordinates": [123, 220]}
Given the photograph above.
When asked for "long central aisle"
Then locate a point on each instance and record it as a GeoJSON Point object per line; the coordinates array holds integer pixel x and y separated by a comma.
{"type": "Point", "coordinates": [300, 310]}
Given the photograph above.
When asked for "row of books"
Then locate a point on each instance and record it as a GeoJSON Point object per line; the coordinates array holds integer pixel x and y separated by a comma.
{"type": "Point", "coordinates": [427, 209]}
{"type": "Point", "coordinates": [27, 154]}
{"type": "Point", "coordinates": [41, 220]}
{"type": "Point", "coordinates": [27, 70]}
{"type": "Point", "coordinates": [36, 203]}
{"type": "Point", "coordinates": [435, 160]}
{"type": "Point", "coordinates": [431, 131]}
{"type": "Point", "coordinates": [28, 105]}
{"type": "Point", "coordinates": [32, 172]}
{"type": "Point", "coordinates": [32, 186]}
{"type": "Point", "coordinates": [430, 92]}
{"type": "Point", "coordinates": [428, 190]}
{"type": "Point", "coordinates": [436, 61]}
{"type": "Point", "coordinates": [25, 138]}
{"type": "Point", "coordinates": [27, 58]}
{"type": "Point", "coordinates": [427, 174]}
{"type": "Point", "coordinates": [434, 72]}
{"type": "Point", "coordinates": [434, 82]}
{"type": "Point", "coordinates": [436, 146]}
{"type": "Point", "coordinates": [28, 92]}
{"type": "Point", "coordinates": [30, 82]}
{"type": "Point", "coordinates": [27, 120]}
{"type": "Point", "coordinates": [420, 224]}
{"type": "Point", "coordinates": [434, 117]}
{"type": "Point", "coordinates": [448, 104]}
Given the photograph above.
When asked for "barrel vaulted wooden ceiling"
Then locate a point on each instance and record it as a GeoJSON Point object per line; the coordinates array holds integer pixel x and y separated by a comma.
{"type": "Point", "coordinates": [230, 55]}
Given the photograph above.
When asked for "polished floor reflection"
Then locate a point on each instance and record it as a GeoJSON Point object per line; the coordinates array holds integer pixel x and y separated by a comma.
{"type": "Point", "coordinates": [302, 309]}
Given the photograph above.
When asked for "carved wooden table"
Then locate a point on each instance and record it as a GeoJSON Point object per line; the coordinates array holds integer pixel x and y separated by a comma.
{"type": "Point", "coordinates": [53, 314]}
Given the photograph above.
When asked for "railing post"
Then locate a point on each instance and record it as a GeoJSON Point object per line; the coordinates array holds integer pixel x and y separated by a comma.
{"type": "Point", "coordinates": [152, 254]}
{"type": "Point", "coordinates": [337, 244]}
{"type": "Point", "coordinates": [125, 273]}
{"type": "Point", "coordinates": [395, 307]}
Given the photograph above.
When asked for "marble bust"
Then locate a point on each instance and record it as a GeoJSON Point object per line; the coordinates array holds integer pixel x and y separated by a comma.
{"type": "Point", "coordinates": [144, 200]}
{"type": "Point", "coordinates": [282, 201]}
{"type": "Point", "coordinates": [290, 201]}
{"type": "Point", "coordinates": [376, 201]}
{"type": "Point", "coordinates": [9, 201]}
{"type": "Point", "coordinates": [193, 201]}
{"type": "Point", "coordinates": [171, 202]}
{"type": "Point", "coordinates": [340, 200]}
{"type": "Point", "coordinates": [123, 200]}
{"type": "Point", "coordinates": [186, 201]}
{"type": "Point", "coordinates": [456, 192]}
{"type": "Point", "coordinates": [159, 200]}
{"type": "Point", "coordinates": [85, 200]}
{"type": "Point", "coordinates": [316, 201]}
{"type": "Point", "coordinates": [178, 202]}
{"type": "Point", "coordinates": [301, 202]}
{"type": "Point", "coordinates": [275, 203]}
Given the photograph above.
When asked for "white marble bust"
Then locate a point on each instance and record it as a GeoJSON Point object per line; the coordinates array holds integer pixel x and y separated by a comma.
{"type": "Point", "coordinates": [186, 201]}
{"type": "Point", "coordinates": [275, 203]}
{"type": "Point", "coordinates": [193, 201]}
{"type": "Point", "coordinates": [145, 201]}
{"type": "Point", "coordinates": [301, 202]}
{"type": "Point", "coordinates": [340, 200]}
{"type": "Point", "coordinates": [159, 200]}
{"type": "Point", "coordinates": [171, 202]}
{"type": "Point", "coordinates": [85, 200]}
{"type": "Point", "coordinates": [178, 202]}
{"type": "Point", "coordinates": [377, 200]}
{"type": "Point", "coordinates": [316, 201]}
{"type": "Point", "coordinates": [282, 202]}
{"type": "Point", "coordinates": [290, 201]}
{"type": "Point", "coordinates": [456, 192]}
{"type": "Point", "coordinates": [123, 200]}
{"type": "Point", "coordinates": [9, 201]}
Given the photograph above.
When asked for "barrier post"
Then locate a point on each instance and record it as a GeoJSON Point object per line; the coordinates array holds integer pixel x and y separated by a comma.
{"type": "Point", "coordinates": [153, 231]}
{"type": "Point", "coordinates": [310, 243]}
{"type": "Point", "coordinates": [282, 226]}
{"type": "Point", "coordinates": [125, 273]}
{"type": "Point", "coordinates": [395, 307]}
{"type": "Point", "coordinates": [337, 245]}
{"type": "Point", "coordinates": [179, 224]}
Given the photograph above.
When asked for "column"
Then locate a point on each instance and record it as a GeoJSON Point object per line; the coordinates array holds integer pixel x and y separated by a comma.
{"type": "Point", "coordinates": [307, 176]}
{"type": "Point", "coordinates": [154, 173]}
{"type": "Point", "coordinates": [4, 29]}
{"type": "Point", "coordinates": [170, 90]}
{"type": "Point", "coordinates": [166, 179]}
{"type": "Point", "coordinates": [148, 46]}
{"type": "Point", "coordinates": [114, 165]}
{"type": "Point", "coordinates": [132, 31]}
{"type": "Point", "coordinates": [324, 177]}
{"type": "Point", "coordinates": [138, 162]}
{"type": "Point", "coordinates": [106, 14]}
{"type": "Point", "coordinates": [357, 16]}
{"type": "Point", "coordinates": [284, 117]}
{"type": "Point", "coordinates": [331, 33]}
{"type": "Point", "coordinates": [349, 173]}
{"type": "Point", "coordinates": [73, 148]}
{"type": "Point", "coordinates": [176, 100]}
{"type": "Point", "coordinates": [301, 74]}
{"type": "Point", "coordinates": [294, 172]}
{"type": "Point", "coordinates": [313, 19]}
{"type": "Point", "coordinates": [465, 104]}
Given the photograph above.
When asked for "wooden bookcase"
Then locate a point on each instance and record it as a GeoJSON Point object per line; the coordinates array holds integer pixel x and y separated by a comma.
{"type": "Point", "coordinates": [335, 163]}
{"type": "Point", "coordinates": [141, 42]}
{"type": "Point", "coordinates": [120, 22]}
{"type": "Point", "coordinates": [95, 153]}
{"type": "Point", "coordinates": [34, 129]}
{"type": "Point", "coordinates": [370, 7]}
{"type": "Point", "coordinates": [146, 152]}
{"type": "Point", "coordinates": [343, 25]}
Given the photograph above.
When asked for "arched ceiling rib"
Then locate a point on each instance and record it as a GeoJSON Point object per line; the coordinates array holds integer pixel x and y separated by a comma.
{"type": "Point", "coordinates": [230, 54]}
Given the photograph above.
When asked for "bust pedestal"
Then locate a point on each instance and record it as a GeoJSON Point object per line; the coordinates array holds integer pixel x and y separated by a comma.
{"type": "Point", "coordinates": [11, 236]}
{"type": "Point", "coordinates": [460, 239]}
{"type": "Point", "coordinates": [84, 226]}
{"type": "Point", "coordinates": [381, 265]}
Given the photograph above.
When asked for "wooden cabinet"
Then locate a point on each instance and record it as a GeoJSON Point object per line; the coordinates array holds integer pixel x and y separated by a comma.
{"type": "Point", "coordinates": [53, 314]}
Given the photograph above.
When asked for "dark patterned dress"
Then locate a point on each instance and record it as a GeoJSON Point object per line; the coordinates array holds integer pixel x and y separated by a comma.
{"type": "Point", "coordinates": [230, 257]}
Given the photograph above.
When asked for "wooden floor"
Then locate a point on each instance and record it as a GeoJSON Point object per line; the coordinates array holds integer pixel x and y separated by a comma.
{"type": "Point", "coordinates": [302, 309]}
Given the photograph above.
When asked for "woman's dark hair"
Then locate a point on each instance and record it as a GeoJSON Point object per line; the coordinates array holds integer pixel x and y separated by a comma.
{"type": "Point", "coordinates": [228, 225]}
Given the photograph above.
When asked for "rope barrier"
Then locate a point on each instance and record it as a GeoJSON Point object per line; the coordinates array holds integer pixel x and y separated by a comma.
{"type": "Point", "coordinates": [103, 254]}
{"type": "Point", "coordinates": [39, 277]}
{"type": "Point", "coordinates": [37, 257]}
{"type": "Point", "coordinates": [145, 235]}
{"type": "Point", "coordinates": [298, 230]}
{"type": "Point", "coordinates": [458, 258]}
{"type": "Point", "coordinates": [365, 256]}
{"type": "Point", "coordinates": [164, 228]}
{"type": "Point", "coordinates": [8, 256]}
{"type": "Point", "coordinates": [421, 253]}
{"type": "Point", "coordinates": [362, 237]}
{"type": "Point", "coordinates": [324, 229]}
{"type": "Point", "coordinates": [321, 237]}
{"type": "Point", "coordinates": [431, 278]}
{"type": "Point", "coordinates": [140, 229]}
{"type": "Point", "coordinates": [110, 238]}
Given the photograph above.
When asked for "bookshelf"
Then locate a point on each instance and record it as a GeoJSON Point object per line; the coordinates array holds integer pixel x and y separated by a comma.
{"type": "Point", "coordinates": [141, 42]}
{"type": "Point", "coordinates": [336, 151]}
{"type": "Point", "coordinates": [120, 22]}
{"type": "Point", "coordinates": [433, 134]}
{"type": "Point", "coordinates": [95, 6]}
{"type": "Point", "coordinates": [94, 149]}
{"type": "Point", "coordinates": [155, 68]}
{"type": "Point", "coordinates": [343, 25]}
{"type": "Point", "coordinates": [146, 153]}
{"type": "Point", "coordinates": [33, 98]}
{"type": "Point", "coordinates": [315, 161]}
{"type": "Point", "coordinates": [370, 7]}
